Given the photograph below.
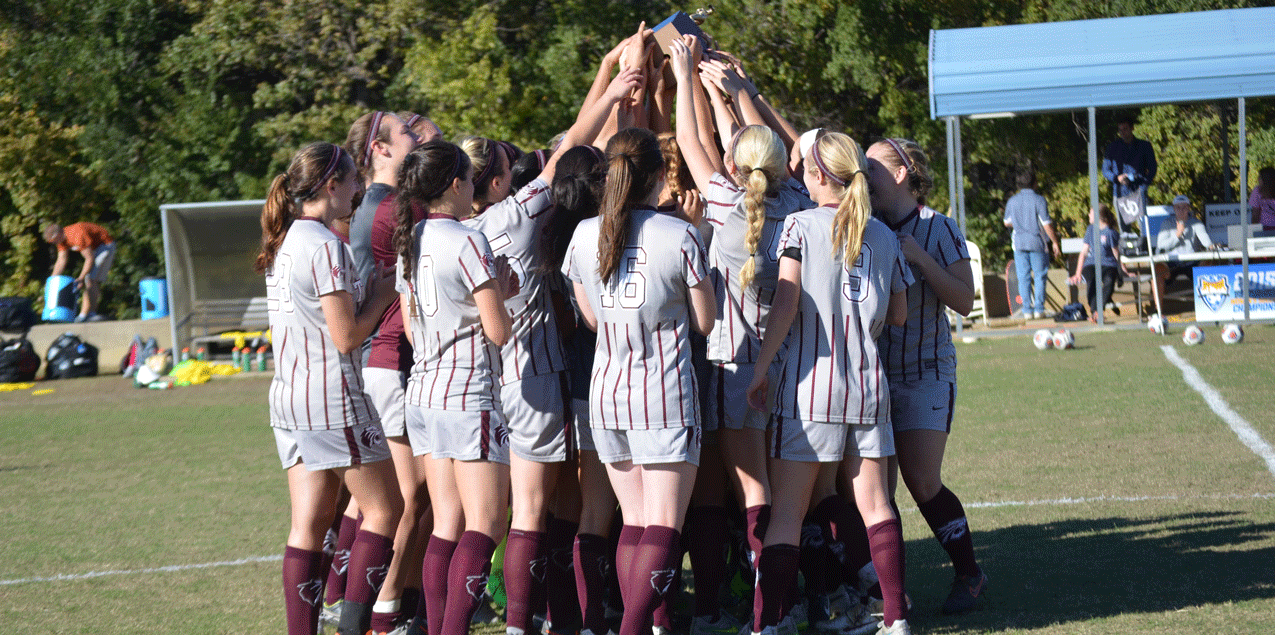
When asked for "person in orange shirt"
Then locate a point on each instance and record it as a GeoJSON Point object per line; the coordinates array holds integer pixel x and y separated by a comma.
{"type": "Point", "coordinates": [98, 249]}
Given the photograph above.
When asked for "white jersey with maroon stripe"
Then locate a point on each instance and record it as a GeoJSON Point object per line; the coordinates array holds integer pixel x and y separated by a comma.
{"type": "Point", "coordinates": [922, 348]}
{"type": "Point", "coordinates": [832, 371]}
{"type": "Point", "coordinates": [514, 228]}
{"type": "Point", "coordinates": [455, 366]}
{"type": "Point", "coordinates": [642, 376]}
{"type": "Point", "coordinates": [742, 313]}
{"type": "Point", "coordinates": [315, 386]}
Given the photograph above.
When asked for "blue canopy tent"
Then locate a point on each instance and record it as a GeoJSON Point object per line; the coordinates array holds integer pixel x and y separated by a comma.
{"type": "Point", "coordinates": [1005, 71]}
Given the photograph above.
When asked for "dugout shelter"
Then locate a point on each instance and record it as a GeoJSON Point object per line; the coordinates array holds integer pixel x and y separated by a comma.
{"type": "Point", "coordinates": [1007, 71]}
{"type": "Point", "coordinates": [209, 251]}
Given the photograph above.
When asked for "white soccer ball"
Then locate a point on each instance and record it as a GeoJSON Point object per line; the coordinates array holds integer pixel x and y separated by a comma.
{"type": "Point", "coordinates": [1193, 335]}
{"type": "Point", "coordinates": [1156, 324]}
{"type": "Point", "coordinates": [1043, 339]}
{"type": "Point", "coordinates": [1232, 334]}
{"type": "Point", "coordinates": [1063, 339]}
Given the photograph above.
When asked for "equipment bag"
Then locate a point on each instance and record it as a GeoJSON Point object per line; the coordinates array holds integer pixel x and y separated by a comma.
{"type": "Point", "coordinates": [18, 361]}
{"type": "Point", "coordinates": [138, 353]}
{"type": "Point", "coordinates": [16, 314]}
{"type": "Point", "coordinates": [69, 356]}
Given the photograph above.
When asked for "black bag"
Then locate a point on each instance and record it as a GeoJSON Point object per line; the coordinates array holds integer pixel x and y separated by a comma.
{"type": "Point", "coordinates": [69, 356]}
{"type": "Point", "coordinates": [1074, 312]}
{"type": "Point", "coordinates": [16, 314]}
{"type": "Point", "coordinates": [1132, 245]}
{"type": "Point", "coordinates": [18, 361]}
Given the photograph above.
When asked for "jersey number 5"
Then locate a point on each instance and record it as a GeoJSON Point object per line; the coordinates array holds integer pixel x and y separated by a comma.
{"type": "Point", "coordinates": [631, 283]}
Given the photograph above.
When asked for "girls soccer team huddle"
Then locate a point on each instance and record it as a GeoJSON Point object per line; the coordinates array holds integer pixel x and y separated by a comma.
{"type": "Point", "coordinates": [731, 316]}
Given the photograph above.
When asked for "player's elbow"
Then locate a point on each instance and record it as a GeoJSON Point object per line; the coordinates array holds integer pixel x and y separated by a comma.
{"type": "Point", "coordinates": [345, 343]}
{"type": "Point", "coordinates": [499, 334]}
{"type": "Point", "coordinates": [703, 324]}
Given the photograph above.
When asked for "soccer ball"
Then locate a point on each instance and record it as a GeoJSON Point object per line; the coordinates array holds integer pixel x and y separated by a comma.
{"type": "Point", "coordinates": [1063, 339]}
{"type": "Point", "coordinates": [1043, 339]}
{"type": "Point", "coordinates": [1232, 334]}
{"type": "Point", "coordinates": [1156, 324]}
{"type": "Point", "coordinates": [1193, 335]}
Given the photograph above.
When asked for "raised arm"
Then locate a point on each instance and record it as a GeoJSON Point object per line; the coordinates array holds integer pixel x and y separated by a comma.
{"type": "Point", "coordinates": [590, 122]}
{"type": "Point", "coordinates": [693, 149]}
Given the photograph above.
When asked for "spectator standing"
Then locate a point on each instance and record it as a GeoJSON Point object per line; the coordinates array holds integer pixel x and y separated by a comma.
{"type": "Point", "coordinates": [94, 243]}
{"type": "Point", "coordinates": [1129, 163]}
{"type": "Point", "coordinates": [1028, 215]}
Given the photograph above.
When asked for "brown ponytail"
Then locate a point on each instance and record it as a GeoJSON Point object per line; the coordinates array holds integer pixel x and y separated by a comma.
{"type": "Point", "coordinates": [634, 167]}
{"type": "Point", "coordinates": [425, 175]}
{"type": "Point", "coordinates": [311, 168]}
{"type": "Point", "coordinates": [908, 155]}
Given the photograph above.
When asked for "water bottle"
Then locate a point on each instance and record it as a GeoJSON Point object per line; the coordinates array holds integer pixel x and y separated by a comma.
{"type": "Point", "coordinates": [245, 359]}
{"type": "Point", "coordinates": [261, 358]}
{"type": "Point", "coordinates": [185, 354]}
{"type": "Point", "coordinates": [201, 354]}
{"type": "Point", "coordinates": [235, 357]}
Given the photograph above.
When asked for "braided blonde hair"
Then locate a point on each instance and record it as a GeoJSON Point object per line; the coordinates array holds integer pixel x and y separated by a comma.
{"type": "Point", "coordinates": [760, 161]}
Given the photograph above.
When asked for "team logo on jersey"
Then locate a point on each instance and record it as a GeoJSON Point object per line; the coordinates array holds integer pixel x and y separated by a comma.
{"type": "Point", "coordinates": [662, 580]}
{"type": "Point", "coordinates": [372, 436]}
{"type": "Point", "coordinates": [310, 591]}
{"type": "Point", "coordinates": [953, 530]}
{"type": "Point", "coordinates": [336, 272]}
{"type": "Point", "coordinates": [538, 567]}
{"type": "Point", "coordinates": [376, 577]}
{"type": "Point", "coordinates": [1214, 289]}
{"type": "Point", "coordinates": [476, 586]}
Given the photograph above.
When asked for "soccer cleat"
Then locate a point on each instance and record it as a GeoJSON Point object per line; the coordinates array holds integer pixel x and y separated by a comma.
{"type": "Point", "coordinates": [966, 590]}
{"type": "Point", "coordinates": [876, 606]}
{"type": "Point", "coordinates": [660, 630]}
{"type": "Point", "coordinates": [899, 627]}
{"type": "Point", "coordinates": [330, 614]}
{"type": "Point", "coordinates": [724, 624]}
{"type": "Point", "coordinates": [849, 618]}
{"type": "Point", "coordinates": [401, 629]}
{"type": "Point", "coordinates": [485, 614]}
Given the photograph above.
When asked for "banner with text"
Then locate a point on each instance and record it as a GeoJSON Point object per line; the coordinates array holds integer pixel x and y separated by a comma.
{"type": "Point", "coordinates": [1219, 295]}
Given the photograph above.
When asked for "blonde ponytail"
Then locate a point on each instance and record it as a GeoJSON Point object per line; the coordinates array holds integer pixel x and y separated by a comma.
{"type": "Point", "coordinates": [758, 154]}
{"type": "Point", "coordinates": [843, 161]}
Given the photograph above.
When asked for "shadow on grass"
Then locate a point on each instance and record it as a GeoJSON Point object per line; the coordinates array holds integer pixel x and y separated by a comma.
{"type": "Point", "coordinates": [1077, 570]}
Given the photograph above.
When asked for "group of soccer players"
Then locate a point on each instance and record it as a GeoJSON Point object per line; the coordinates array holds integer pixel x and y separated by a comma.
{"type": "Point", "coordinates": [726, 322]}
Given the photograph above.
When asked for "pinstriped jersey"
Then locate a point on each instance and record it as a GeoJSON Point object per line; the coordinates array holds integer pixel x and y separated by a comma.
{"type": "Point", "coordinates": [642, 376]}
{"type": "Point", "coordinates": [514, 228]}
{"type": "Point", "coordinates": [315, 386]}
{"type": "Point", "coordinates": [922, 348]}
{"type": "Point", "coordinates": [832, 371]}
{"type": "Point", "coordinates": [454, 366]}
{"type": "Point", "coordinates": [742, 313]}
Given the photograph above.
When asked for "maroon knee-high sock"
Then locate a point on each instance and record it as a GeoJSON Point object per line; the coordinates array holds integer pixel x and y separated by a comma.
{"type": "Point", "coordinates": [370, 557]}
{"type": "Point", "coordinates": [886, 540]}
{"type": "Point", "coordinates": [946, 517]}
{"type": "Point", "coordinates": [591, 567]}
{"type": "Point", "coordinates": [564, 605]}
{"type": "Point", "coordinates": [630, 536]}
{"type": "Point", "coordinates": [340, 559]}
{"type": "Point", "coordinates": [651, 577]}
{"type": "Point", "coordinates": [758, 519]}
{"type": "Point", "coordinates": [467, 581]}
{"type": "Point", "coordinates": [707, 536]}
{"type": "Point", "coordinates": [438, 559]}
{"type": "Point", "coordinates": [524, 570]}
{"type": "Point", "coordinates": [776, 574]}
{"type": "Point", "coordinates": [302, 588]}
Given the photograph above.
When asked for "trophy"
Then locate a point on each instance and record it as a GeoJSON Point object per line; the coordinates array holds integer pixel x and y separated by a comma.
{"type": "Point", "coordinates": [680, 24]}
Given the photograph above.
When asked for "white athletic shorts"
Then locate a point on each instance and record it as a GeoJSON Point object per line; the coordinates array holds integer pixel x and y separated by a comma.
{"type": "Point", "coordinates": [584, 434]}
{"type": "Point", "coordinates": [648, 447]}
{"type": "Point", "coordinates": [329, 449]}
{"type": "Point", "coordinates": [728, 398]}
{"type": "Point", "coordinates": [535, 412]}
{"type": "Point", "coordinates": [478, 435]}
{"type": "Point", "coordinates": [103, 257]}
{"type": "Point", "coordinates": [922, 405]}
{"type": "Point", "coordinates": [819, 442]}
{"type": "Point", "coordinates": [420, 433]}
{"type": "Point", "coordinates": [385, 387]}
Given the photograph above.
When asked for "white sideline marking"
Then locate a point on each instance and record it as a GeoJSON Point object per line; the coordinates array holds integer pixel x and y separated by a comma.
{"type": "Point", "coordinates": [176, 567]}
{"type": "Point", "coordinates": [1238, 425]}
{"type": "Point", "coordinates": [973, 505]}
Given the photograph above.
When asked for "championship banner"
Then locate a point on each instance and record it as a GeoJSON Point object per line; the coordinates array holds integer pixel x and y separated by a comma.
{"type": "Point", "coordinates": [1220, 298]}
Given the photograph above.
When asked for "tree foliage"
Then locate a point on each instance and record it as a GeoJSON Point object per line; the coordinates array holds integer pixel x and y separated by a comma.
{"type": "Point", "coordinates": [115, 107]}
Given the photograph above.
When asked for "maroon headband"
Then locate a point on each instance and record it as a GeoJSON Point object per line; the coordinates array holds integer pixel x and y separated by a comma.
{"type": "Point", "coordinates": [448, 182]}
{"type": "Point", "coordinates": [491, 160]}
{"type": "Point", "coordinates": [334, 161]}
{"type": "Point", "coordinates": [814, 154]}
{"type": "Point", "coordinates": [371, 135]}
{"type": "Point", "coordinates": [907, 163]}
{"type": "Point", "coordinates": [541, 158]}
{"type": "Point", "coordinates": [411, 121]}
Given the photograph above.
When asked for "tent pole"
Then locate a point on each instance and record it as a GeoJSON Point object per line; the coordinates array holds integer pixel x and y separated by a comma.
{"type": "Point", "coordinates": [1095, 248]}
{"type": "Point", "coordinates": [953, 159]}
{"type": "Point", "coordinates": [1246, 216]}
{"type": "Point", "coordinates": [960, 175]}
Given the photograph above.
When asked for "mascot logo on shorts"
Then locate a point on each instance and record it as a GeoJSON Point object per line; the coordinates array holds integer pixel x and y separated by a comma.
{"type": "Point", "coordinates": [372, 436]}
{"type": "Point", "coordinates": [501, 433]}
{"type": "Point", "coordinates": [1214, 289]}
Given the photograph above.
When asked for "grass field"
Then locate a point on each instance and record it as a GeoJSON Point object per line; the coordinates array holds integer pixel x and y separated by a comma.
{"type": "Point", "coordinates": [1104, 493]}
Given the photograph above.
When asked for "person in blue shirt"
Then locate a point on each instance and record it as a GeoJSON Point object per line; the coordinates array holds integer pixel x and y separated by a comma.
{"type": "Point", "coordinates": [1028, 215]}
{"type": "Point", "coordinates": [1129, 162]}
